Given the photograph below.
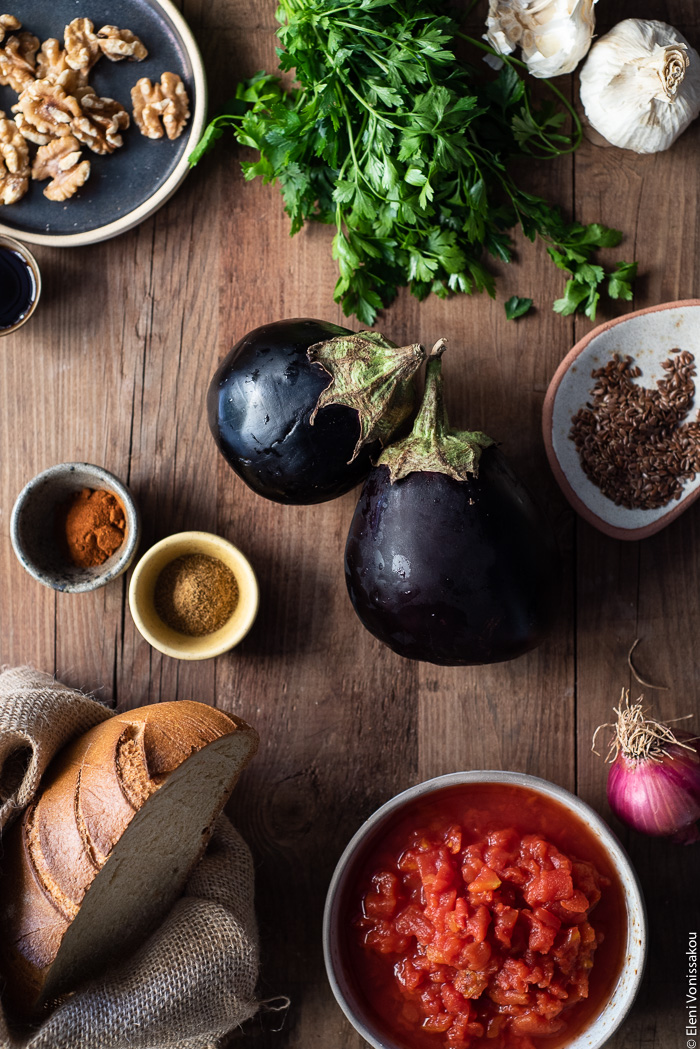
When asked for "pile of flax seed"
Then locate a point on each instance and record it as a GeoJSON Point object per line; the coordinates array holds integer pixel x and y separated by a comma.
{"type": "Point", "coordinates": [631, 440]}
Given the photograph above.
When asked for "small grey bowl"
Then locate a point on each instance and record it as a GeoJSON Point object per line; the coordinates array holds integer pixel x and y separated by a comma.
{"type": "Point", "coordinates": [33, 527]}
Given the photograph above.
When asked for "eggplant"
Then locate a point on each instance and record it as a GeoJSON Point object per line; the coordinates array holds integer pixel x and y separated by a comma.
{"type": "Point", "coordinates": [298, 407]}
{"type": "Point", "coordinates": [448, 559]}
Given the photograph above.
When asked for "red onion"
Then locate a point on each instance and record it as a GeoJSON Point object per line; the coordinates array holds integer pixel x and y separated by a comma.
{"type": "Point", "coordinates": [654, 780]}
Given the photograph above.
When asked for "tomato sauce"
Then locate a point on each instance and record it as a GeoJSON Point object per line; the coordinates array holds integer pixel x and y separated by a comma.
{"type": "Point", "coordinates": [485, 917]}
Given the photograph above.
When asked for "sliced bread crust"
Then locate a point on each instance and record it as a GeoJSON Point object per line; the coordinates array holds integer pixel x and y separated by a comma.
{"type": "Point", "coordinates": [124, 813]}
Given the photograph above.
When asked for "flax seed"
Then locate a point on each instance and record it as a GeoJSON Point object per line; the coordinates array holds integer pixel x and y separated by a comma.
{"type": "Point", "coordinates": [632, 441]}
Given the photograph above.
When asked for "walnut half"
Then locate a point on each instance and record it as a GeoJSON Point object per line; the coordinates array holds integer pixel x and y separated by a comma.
{"type": "Point", "coordinates": [17, 61]}
{"type": "Point", "coordinates": [101, 122]}
{"type": "Point", "coordinates": [166, 101]}
{"type": "Point", "coordinates": [8, 24]}
{"type": "Point", "coordinates": [60, 161]}
{"type": "Point", "coordinates": [52, 64]}
{"type": "Point", "coordinates": [117, 44]}
{"type": "Point", "coordinates": [29, 132]}
{"type": "Point", "coordinates": [47, 108]}
{"type": "Point", "coordinates": [82, 46]}
{"type": "Point", "coordinates": [14, 162]}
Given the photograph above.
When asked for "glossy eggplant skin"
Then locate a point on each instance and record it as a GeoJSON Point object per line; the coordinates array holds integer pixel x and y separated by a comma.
{"type": "Point", "coordinates": [259, 403]}
{"type": "Point", "coordinates": [457, 573]}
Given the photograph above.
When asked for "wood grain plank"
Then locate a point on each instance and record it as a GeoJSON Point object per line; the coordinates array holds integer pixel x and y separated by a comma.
{"type": "Point", "coordinates": [114, 369]}
{"type": "Point", "coordinates": [319, 689]}
{"type": "Point", "coordinates": [27, 609]}
{"type": "Point", "coordinates": [517, 715]}
{"type": "Point", "coordinates": [374, 723]}
{"type": "Point", "coordinates": [172, 463]}
{"type": "Point", "coordinates": [630, 590]}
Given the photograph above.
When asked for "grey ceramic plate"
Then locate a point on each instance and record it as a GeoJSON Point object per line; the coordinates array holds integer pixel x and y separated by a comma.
{"type": "Point", "coordinates": [128, 185]}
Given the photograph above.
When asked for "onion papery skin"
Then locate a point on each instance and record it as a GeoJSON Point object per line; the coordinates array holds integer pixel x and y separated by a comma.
{"type": "Point", "coordinates": [658, 797]}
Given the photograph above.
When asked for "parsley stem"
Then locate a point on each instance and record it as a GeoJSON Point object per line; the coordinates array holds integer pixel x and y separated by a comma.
{"type": "Point", "coordinates": [348, 123]}
{"type": "Point", "coordinates": [365, 103]}
{"type": "Point", "coordinates": [378, 33]}
{"type": "Point", "coordinates": [577, 133]}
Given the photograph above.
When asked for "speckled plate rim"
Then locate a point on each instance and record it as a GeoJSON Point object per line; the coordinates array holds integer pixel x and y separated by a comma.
{"type": "Point", "coordinates": [623, 995]}
{"type": "Point", "coordinates": [581, 508]}
{"type": "Point", "coordinates": [177, 175]}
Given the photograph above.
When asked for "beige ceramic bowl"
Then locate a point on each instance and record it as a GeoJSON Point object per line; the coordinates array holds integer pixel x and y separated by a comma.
{"type": "Point", "coordinates": [159, 634]}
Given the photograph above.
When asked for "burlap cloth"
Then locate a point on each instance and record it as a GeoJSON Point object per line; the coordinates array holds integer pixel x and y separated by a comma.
{"type": "Point", "coordinates": [193, 981]}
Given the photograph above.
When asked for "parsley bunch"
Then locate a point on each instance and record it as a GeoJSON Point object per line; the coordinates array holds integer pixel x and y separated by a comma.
{"type": "Point", "coordinates": [404, 149]}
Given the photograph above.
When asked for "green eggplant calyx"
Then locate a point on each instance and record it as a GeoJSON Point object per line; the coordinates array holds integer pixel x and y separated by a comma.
{"type": "Point", "coordinates": [371, 375]}
{"type": "Point", "coordinates": [432, 446]}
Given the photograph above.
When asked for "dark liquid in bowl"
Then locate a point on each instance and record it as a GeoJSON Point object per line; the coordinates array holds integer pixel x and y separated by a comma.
{"type": "Point", "coordinates": [17, 288]}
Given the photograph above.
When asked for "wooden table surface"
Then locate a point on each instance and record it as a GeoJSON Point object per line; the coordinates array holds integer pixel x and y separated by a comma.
{"type": "Point", "coordinates": [113, 369]}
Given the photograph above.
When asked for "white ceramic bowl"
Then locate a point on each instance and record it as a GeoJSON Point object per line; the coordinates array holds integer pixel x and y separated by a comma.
{"type": "Point", "coordinates": [613, 1011]}
{"type": "Point", "coordinates": [648, 336]}
{"type": "Point", "coordinates": [33, 527]}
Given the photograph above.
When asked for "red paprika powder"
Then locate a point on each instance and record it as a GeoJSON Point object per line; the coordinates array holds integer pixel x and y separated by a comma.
{"type": "Point", "coordinates": [94, 527]}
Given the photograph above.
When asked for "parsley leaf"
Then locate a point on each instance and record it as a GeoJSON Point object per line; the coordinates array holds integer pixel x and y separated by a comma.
{"type": "Point", "coordinates": [408, 153]}
{"type": "Point", "coordinates": [516, 307]}
{"type": "Point", "coordinates": [619, 282]}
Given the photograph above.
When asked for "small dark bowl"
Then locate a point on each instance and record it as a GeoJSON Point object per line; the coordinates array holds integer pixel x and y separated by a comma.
{"type": "Point", "coordinates": [12, 245]}
{"type": "Point", "coordinates": [33, 527]}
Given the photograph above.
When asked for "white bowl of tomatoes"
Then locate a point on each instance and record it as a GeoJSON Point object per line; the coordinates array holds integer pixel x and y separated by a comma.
{"type": "Point", "coordinates": [485, 909]}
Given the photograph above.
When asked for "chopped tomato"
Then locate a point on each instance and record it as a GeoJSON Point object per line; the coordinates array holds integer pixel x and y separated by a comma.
{"type": "Point", "coordinates": [382, 901]}
{"type": "Point", "coordinates": [439, 1023]}
{"type": "Point", "coordinates": [505, 918]}
{"type": "Point", "coordinates": [488, 941]}
{"type": "Point", "coordinates": [549, 885]}
{"type": "Point", "coordinates": [485, 881]}
{"type": "Point", "coordinates": [413, 922]}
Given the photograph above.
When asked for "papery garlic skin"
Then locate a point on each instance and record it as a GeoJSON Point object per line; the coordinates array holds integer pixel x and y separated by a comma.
{"type": "Point", "coordinates": [640, 86]}
{"type": "Point", "coordinates": [554, 35]}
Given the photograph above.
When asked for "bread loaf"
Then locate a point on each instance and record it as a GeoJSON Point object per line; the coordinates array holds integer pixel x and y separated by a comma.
{"type": "Point", "coordinates": [122, 816]}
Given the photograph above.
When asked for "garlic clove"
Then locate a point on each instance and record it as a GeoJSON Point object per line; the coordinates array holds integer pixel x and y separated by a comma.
{"type": "Point", "coordinates": [640, 86]}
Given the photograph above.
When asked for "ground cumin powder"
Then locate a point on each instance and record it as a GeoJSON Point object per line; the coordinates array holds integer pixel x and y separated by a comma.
{"type": "Point", "coordinates": [94, 527]}
{"type": "Point", "coordinates": [195, 594]}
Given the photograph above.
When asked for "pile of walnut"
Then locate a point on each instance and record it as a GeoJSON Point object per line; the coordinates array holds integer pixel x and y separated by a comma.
{"type": "Point", "coordinates": [59, 111]}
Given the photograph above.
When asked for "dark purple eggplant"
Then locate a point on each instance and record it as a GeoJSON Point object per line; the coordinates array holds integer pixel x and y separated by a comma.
{"type": "Point", "coordinates": [298, 406]}
{"type": "Point", "coordinates": [448, 559]}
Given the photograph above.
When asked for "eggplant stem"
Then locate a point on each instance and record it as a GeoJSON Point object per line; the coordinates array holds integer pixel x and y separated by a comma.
{"type": "Point", "coordinates": [438, 349]}
{"type": "Point", "coordinates": [645, 684]}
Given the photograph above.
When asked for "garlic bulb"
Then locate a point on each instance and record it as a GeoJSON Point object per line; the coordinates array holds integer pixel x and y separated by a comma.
{"type": "Point", "coordinates": [554, 35]}
{"type": "Point", "coordinates": [640, 86]}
